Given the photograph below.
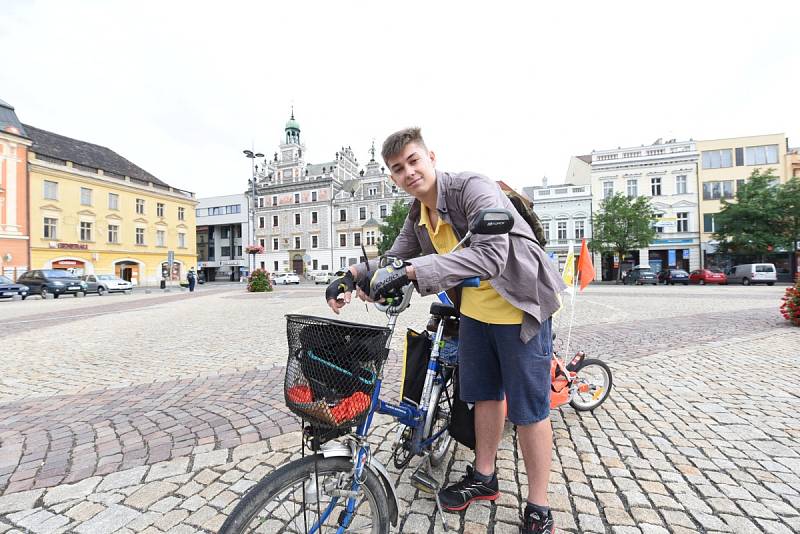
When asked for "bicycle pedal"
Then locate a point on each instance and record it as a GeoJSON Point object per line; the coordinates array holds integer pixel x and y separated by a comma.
{"type": "Point", "coordinates": [424, 482]}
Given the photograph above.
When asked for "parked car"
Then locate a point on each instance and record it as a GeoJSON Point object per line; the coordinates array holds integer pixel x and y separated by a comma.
{"type": "Point", "coordinates": [753, 273]}
{"type": "Point", "coordinates": [8, 289]}
{"type": "Point", "coordinates": [673, 276]}
{"type": "Point", "coordinates": [708, 276]}
{"type": "Point", "coordinates": [640, 275]}
{"type": "Point", "coordinates": [102, 283]}
{"type": "Point", "coordinates": [54, 282]}
{"type": "Point", "coordinates": [323, 278]}
{"type": "Point", "coordinates": [287, 278]}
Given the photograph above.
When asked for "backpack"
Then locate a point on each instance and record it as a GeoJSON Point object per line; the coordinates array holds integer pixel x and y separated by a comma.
{"type": "Point", "coordinates": [530, 217]}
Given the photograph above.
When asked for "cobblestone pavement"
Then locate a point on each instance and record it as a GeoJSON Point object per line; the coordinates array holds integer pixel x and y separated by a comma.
{"type": "Point", "coordinates": [154, 413]}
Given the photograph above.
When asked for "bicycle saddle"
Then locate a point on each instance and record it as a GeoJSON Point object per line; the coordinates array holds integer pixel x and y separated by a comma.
{"type": "Point", "coordinates": [443, 310]}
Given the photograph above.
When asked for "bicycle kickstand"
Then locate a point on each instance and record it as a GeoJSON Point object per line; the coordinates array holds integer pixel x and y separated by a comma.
{"type": "Point", "coordinates": [423, 481]}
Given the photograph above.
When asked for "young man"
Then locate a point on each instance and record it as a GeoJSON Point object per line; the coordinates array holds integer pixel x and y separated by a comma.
{"type": "Point", "coordinates": [505, 339]}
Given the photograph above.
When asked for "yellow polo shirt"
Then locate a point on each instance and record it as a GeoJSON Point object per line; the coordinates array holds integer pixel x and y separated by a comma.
{"type": "Point", "coordinates": [481, 303]}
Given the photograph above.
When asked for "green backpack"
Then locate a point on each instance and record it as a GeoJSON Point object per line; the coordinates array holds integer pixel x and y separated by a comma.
{"type": "Point", "coordinates": [530, 217]}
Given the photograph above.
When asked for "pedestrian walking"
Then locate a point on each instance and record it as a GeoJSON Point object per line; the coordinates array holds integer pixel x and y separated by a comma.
{"type": "Point", "coordinates": [505, 334]}
{"type": "Point", "coordinates": [191, 277]}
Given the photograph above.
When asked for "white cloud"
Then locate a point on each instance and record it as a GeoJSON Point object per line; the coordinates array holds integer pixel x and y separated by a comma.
{"type": "Point", "coordinates": [507, 89]}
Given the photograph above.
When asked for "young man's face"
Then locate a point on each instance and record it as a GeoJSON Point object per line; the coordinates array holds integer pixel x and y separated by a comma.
{"type": "Point", "coordinates": [413, 170]}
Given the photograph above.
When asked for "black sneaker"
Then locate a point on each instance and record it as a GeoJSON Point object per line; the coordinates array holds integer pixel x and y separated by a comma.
{"type": "Point", "coordinates": [536, 523]}
{"type": "Point", "coordinates": [458, 496]}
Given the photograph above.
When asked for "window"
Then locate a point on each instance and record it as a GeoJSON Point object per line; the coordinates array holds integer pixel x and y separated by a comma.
{"type": "Point", "coordinates": [314, 217]}
{"type": "Point", "coordinates": [297, 242]}
{"type": "Point", "coordinates": [275, 265]}
{"type": "Point", "coordinates": [297, 198]}
{"type": "Point", "coordinates": [160, 210]}
{"type": "Point", "coordinates": [225, 252]}
{"type": "Point", "coordinates": [716, 190]}
{"type": "Point", "coordinates": [562, 229]}
{"type": "Point", "coordinates": [238, 251]}
{"type": "Point", "coordinates": [50, 190]}
{"type": "Point", "coordinates": [655, 186]}
{"type": "Point", "coordinates": [761, 155]}
{"type": "Point", "coordinates": [86, 231]}
{"type": "Point", "coordinates": [225, 232]}
{"type": "Point", "coordinates": [546, 229]}
{"type": "Point", "coordinates": [297, 219]}
{"type": "Point", "coordinates": [657, 223]}
{"type": "Point", "coordinates": [342, 215]}
{"type": "Point", "coordinates": [683, 221]}
{"type": "Point", "coordinates": [275, 221]}
{"type": "Point", "coordinates": [260, 202]}
{"type": "Point", "coordinates": [50, 228]}
{"type": "Point", "coordinates": [342, 262]}
{"type": "Point", "coordinates": [86, 196]}
{"type": "Point", "coordinates": [313, 196]}
{"type": "Point", "coordinates": [314, 241]}
{"type": "Point", "coordinates": [633, 188]}
{"type": "Point", "coordinates": [357, 239]}
{"type": "Point", "coordinates": [342, 240]}
{"type": "Point", "coordinates": [579, 229]}
{"type": "Point", "coordinates": [740, 183]}
{"type": "Point", "coordinates": [608, 189]}
{"type": "Point", "coordinates": [383, 211]}
{"type": "Point", "coordinates": [372, 191]}
{"type": "Point", "coordinates": [113, 233]}
{"type": "Point", "coordinates": [113, 201]}
{"type": "Point", "coordinates": [708, 222]}
{"type": "Point", "coordinates": [274, 200]}
{"type": "Point", "coordinates": [370, 237]}
{"type": "Point", "coordinates": [680, 184]}
{"type": "Point", "coordinates": [181, 214]}
{"type": "Point", "coordinates": [140, 236]}
{"type": "Point", "coordinates": [160, 235]}
{"type": "Point", "coordinates": [362, 213]}
{"type": "Point", "coordinates": [717, 159]}
{"type": "Point", "coordinates": [263, 243]}
{"type": "Point", "coordinates": [237, 231]}
{"type": "Point", "coordinates": [261, 222]}
{"type": "Point", "coordinates": [140, 206]}
{"type": "Point", "coordinates": [275, 244]}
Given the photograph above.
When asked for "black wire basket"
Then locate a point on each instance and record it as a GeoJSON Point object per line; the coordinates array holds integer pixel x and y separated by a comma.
{"type": "Point", "coordinates": [332, 369]}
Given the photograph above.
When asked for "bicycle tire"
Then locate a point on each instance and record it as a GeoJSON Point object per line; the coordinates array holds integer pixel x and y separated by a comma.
{"type": "Point", "coordinates": [440, 447]}
{"type": "Point", "coordinates": [294, 475]}
{"type": "Point", "coordinates": [576, 401]}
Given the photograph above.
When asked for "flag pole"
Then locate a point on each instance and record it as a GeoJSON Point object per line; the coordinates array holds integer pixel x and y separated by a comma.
{"type": "Point", "coordinates": [572, 311]}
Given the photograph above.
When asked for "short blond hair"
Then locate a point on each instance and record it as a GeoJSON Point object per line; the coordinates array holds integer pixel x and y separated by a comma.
{"type": "Point", "coordinates": [399, 140]}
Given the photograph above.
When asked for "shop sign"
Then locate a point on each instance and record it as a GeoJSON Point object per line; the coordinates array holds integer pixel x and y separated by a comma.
{"type": "Point", "coordinates": [686, 254]}
{"type": "Point", "coordinates": [672, 257]}
{"type": "Point", "coordinates": [231, 262]}
{"type": "Point", "coordinates": [79, 246]}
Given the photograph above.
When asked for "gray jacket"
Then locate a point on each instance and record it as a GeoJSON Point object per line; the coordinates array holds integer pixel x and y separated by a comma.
{"type": "Point", "coordinates": [516, 266]}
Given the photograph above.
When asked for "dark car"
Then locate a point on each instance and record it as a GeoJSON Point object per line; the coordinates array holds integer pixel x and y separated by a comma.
{"type": "Point", "coordinates": [8, 289]}
{"type": "Point", "coordinates": [673, 276]}
{"type": "Point", "coordinates": [54, 282]}
{"type": "Point", "coordinates": [640, 275]}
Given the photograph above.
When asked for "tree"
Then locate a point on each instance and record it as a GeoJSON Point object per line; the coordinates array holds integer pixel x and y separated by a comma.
{"type": "Point", "coordinates": [755, 223]}
{"type": "Point", "coordinates": [622, 224]}
{"type": "Point", "coordinates": [392, 225]}
{"type": "Point", "coordinates": [788, 198]}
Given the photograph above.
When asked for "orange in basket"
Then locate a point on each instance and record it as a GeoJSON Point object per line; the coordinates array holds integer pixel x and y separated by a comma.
{"type": "Point", "coordinates": [351, 407]}
{"type": "Point", "coordinates": [300, 393]}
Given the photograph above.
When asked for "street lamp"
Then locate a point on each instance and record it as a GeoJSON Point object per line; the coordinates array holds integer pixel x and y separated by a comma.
{"type": "Point", "coordinates": [253, 155]}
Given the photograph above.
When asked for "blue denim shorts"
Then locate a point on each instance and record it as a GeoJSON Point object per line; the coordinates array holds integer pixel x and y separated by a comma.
{"type": "Point", "coordinates": [494, 364]}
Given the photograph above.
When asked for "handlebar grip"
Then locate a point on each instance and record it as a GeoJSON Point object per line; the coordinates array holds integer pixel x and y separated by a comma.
{"type": "Point", "coordinates": [470, 282]}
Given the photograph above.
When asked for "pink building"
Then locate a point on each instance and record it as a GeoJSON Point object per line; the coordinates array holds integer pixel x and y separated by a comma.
{"type": "Point", "coordinates": [14, 220]}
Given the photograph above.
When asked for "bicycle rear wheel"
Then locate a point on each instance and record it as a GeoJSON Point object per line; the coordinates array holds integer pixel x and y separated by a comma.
{"type": "Point", "coordinates": [593, 385]}
{"type": "Point", "coordinates": [295, 496]}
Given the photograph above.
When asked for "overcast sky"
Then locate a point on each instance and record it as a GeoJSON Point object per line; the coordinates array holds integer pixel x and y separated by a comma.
{"type": "Point", "coordinates": [181, 88]}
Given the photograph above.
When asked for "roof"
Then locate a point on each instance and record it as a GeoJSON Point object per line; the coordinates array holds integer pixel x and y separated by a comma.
{"type": "Point", "coordinates": [88, 154]}
{"type": "Point", "coordinates": [315, 169]}
{"type": "Point", "coordinates": [371, 222]}
{"type": "Point", "coordinates": [8, 119]}
{"type": "Point", "coordinates": [587, 158]}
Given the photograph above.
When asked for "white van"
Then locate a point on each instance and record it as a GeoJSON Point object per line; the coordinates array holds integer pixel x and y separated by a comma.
{"type": "Point", "coordinates": [753, 273]}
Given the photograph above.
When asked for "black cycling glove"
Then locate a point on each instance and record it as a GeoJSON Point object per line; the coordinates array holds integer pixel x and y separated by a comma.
{"type": "Point", "coordinates": [341, 285]}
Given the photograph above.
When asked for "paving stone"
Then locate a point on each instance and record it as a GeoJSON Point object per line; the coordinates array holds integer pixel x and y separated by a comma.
{"type": "Point", "coordinates": [109, 520]}
{"type": "Point", "coordinates": [84, 511]}
{"type": "Point", "coordinates": [122, 479]}
{"type": "Point", "coordinates": [149, 494]}
{"type": "Point", "coordinates": [166, 469]}
{"type": "Point", "coordinates": [67, 492]}
{"type": "Point", "coordinates": [23, 500]}
{"type": "Point", "coordinates": [210, 459]}
{"type": "Point", "coordinates": [170, 519]}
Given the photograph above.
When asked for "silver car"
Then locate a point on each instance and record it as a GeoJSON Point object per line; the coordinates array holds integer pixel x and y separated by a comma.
{"type": "Point", "coordinates": [102, 283]}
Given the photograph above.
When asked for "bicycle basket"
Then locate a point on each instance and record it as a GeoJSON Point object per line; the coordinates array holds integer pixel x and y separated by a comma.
{"type": "Point", "coordinates": [332, 369]}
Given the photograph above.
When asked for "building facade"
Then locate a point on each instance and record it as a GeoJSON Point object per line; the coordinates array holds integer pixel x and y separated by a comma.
{"type": "Point", "coordinates": [222, 229]}
{"type": "Point", "coordinates": [316, 217]}
{"type": "Point", "coordinates": [726, 164]}
{"type": "Point", "coordinates": [14, 231]}
{"type": "Point", "coordinates": [93, 211]}
{"type": "Point", "coordinates": [666, 172]}
{"type": "Point", "coordinates": [566, 214]}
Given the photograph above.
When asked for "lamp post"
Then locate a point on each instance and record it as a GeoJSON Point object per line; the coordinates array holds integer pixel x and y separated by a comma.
{"type": "Point", "coordinates": [253, 155]}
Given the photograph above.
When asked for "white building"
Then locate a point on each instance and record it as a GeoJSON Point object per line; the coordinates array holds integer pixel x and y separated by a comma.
{"type": "Point", "coordinates": [313, 217]}
{"type": "Point", "coordinates": [667, 173]}
{"type": "Point", "coordinates": [222, 230]}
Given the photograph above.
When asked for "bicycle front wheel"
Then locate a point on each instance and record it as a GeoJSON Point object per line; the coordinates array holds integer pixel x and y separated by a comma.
{"type": "Point", "coordinates": [441, 401]}
{"type": "Point", "coordinates": [295, 497]}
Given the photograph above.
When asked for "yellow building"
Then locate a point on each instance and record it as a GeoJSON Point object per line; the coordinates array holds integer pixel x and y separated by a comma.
{"type": "Point", "coordinates": [93, 211]}
{"type": "Point", "coordinates": [724, 165]}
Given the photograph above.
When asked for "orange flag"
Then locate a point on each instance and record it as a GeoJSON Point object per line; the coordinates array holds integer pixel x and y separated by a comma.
{"type": "Point", "coordinates": [585, 267]}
